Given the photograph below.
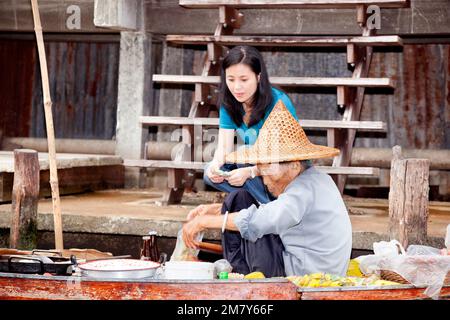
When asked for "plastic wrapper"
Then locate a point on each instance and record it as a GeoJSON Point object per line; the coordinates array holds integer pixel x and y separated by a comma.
{"type": "Point", "coordinates": [182, 252]}
{"type": "Point", "coordinates": [420, 270]}
{"type": "Point", "coordinates": [419, 265]}
{"type": "Point", "coordinates": [222, 265]}
{"type": "Point", "coordinates": [414, 250]}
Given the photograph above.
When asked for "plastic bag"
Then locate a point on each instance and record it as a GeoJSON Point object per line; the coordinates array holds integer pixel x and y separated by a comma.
{"type": "Point", "coordinates": [418, 250]}
{"type": "Point", "coordinates": [222, 265]}
{"type": "Point", "coordinates": [419, 270]}
{"type": "Point", "coordinates": [419, 265]}
{"type": "Point", "coordinates": [182, 252]}
{"type": "Point", "coordinates": [391, 248]}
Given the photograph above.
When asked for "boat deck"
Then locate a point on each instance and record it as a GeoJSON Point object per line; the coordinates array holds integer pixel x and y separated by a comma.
{"type": "Point", "coordinates": [42, 287]}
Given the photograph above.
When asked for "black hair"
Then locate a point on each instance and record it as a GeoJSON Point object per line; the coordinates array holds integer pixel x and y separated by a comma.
{"type": "Point", "coordinates": [262, 98]}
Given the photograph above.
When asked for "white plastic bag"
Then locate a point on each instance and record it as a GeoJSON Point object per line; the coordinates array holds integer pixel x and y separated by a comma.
{"type": "Point", "coordinates": [391, 248]}
{"type": "Point", "coordinates": [182, 252]}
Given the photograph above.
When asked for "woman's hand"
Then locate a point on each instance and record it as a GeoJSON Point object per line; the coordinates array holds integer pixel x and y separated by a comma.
{"type": "Point", "coordinates": [191, 229]}
{"type": "Point", "coordinates": [204, 209]}
{"type": "Point", "coordinates": [238, 176]}
{"type": "Point", "coordinates": [212, 173]}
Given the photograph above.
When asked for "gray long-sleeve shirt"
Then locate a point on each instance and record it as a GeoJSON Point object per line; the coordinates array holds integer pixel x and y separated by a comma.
{"type": "Point", "coordinates": [312, 221]}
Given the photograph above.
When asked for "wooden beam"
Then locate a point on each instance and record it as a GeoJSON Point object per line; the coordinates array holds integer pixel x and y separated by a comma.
{"type": "Point", "coordinates": [344, 139]}
{"type": "Point", "coordinates": [285, 81]}
{"type": "Point", "coordinates": [378, 126]}
{"type": "Point", "coordinates": [286, 41]}
{"type": "Point", "coordinates": [292, 4]}
{"type": "Point", "coordinates": [230, 17]}
{"type": "Point", "coordinates": [23, 230]}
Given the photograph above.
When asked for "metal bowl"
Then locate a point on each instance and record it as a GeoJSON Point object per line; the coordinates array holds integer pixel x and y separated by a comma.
{"type": "Point", "coordinates": [119, 269]}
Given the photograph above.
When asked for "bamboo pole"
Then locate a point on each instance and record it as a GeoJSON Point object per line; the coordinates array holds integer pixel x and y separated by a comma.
{"type": "Point", "coordinates": [50, 129]}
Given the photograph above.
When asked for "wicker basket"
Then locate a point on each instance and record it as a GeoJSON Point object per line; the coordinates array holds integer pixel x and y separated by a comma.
{"type": "Point", "coordinates": [395, 277]}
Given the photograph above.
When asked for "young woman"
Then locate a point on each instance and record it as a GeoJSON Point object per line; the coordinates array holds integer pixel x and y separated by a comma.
{"type": "Point", "coordinates": [246, 100]}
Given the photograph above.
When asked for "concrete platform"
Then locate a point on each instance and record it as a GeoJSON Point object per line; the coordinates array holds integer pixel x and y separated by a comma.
{"type": "Point", "coordinates": [63, 160]}
{"type": "Point", "coordinates": [135, 212]}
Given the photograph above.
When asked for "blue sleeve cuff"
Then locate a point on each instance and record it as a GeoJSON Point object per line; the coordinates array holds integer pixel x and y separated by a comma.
{"type": "Point", "coordinates": [225, 126]}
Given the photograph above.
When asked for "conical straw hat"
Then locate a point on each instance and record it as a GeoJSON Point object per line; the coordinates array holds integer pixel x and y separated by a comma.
{"type": "Point", "coordinates": [281, 139]}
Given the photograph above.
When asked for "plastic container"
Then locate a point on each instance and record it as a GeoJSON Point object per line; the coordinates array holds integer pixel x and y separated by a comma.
{"type": "Point", "coordinates": [188, 270]}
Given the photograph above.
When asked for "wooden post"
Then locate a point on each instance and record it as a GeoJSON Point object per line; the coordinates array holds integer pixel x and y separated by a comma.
{"type": "Point", "coordinates": [408, 199]}
{"type": "Point", "coordinates": [50, 129]}
{"type": "Point", "coordinates": [23, 231]}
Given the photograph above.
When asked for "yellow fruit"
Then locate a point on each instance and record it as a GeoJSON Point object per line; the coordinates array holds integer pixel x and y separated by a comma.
{"type": "Point", "coordinates": [353, 269]}
{"type": "Point", "coordinates": [317, 275]}
{"type": "Point", "coordinates": [314, 283]}
{"type": "Point", "coordinates": [384, 283]}
{"type": "Point", "coordinates": [336, 284]}
{"type": "Point", "coordinates": [326, 283]}
{"type": "Point", "coordinates": [255, 275]}
{"type": "Point", "coordinates": [304, 281]}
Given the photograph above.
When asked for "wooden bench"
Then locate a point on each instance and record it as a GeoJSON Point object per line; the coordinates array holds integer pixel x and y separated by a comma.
{"type": "Point", "coordinates": [375, 126]}
{"type": "Point", "coordinates": [192, 165]}
{"type": "Point", "coordinates": [286, 41]}
{"type": "Point", "coordinates": [285, 81]}
{"type": "Point", "coordinates": [292, 4]}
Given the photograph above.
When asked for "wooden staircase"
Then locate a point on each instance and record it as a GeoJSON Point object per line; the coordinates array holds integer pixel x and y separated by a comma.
{"type": "Point", "coordinates": [350, 91]}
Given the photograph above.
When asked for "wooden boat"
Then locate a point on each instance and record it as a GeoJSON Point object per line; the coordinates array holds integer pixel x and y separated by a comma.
{"type": "Point", "coordinates": [43, 287]}
{"type": "Point", "coordinates": [398, 292]}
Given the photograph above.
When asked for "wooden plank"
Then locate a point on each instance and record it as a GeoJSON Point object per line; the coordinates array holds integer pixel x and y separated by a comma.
{"type": "Point", "coordinates": [195, 165]}
{"type": "Point", "coordinates": [408, 199]}
{"type": "Point", "coordinates": [285, 81]}
{"type": "Point", "coordinates": [377, 126]}
{"type": "Point", "coordinates": [292, 4]}
{"type": "Point", "coordinates": [286, 41]}
{"type": "Point", "coordinates": [23, 231]}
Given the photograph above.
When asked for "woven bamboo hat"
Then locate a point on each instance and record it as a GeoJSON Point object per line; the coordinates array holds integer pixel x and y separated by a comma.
{"type": "Point", "coordinates": [281, 139]}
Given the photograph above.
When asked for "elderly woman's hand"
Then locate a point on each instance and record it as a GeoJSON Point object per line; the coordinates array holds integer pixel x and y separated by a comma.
{"type": "Point", "coordinates": [198, 211]}
{"type": "Point", "coordinates": [190, 230]}
{"type": "Point", "coordinates": [204, 209]}
{"type": "Point", "coordinates": [238, 176]}
{"type": "Point", "coordinates": [211, 173]}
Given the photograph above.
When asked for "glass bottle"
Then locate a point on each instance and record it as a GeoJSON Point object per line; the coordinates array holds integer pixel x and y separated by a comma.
{"type": "Point", "coordinates": [150, 249]}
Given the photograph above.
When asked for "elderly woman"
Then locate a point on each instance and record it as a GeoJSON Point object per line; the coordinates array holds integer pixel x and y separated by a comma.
{"type": "Point", "coordinates": [305, 230]}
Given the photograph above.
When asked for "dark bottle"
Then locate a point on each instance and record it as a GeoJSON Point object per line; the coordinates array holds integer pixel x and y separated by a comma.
{"type": "Point", "coordinates": [150, 249]}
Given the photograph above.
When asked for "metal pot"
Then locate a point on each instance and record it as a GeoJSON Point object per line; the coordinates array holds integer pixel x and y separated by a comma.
{"type": "Point", "coordinates": [120, 268]}
{"type": "Point", "coordinates": [37, 264]}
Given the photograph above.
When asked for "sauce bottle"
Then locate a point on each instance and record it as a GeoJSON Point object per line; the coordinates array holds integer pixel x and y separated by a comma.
{"type": "Point", "coordinates": [150, 249]}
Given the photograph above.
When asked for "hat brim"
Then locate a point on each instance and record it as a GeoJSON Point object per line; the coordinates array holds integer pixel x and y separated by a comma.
{"type": "Point", "coordinates": [254, 156]}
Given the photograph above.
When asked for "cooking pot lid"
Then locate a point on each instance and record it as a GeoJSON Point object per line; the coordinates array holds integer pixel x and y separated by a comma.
{"type": "Point", "coordinates": [118, 265]}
